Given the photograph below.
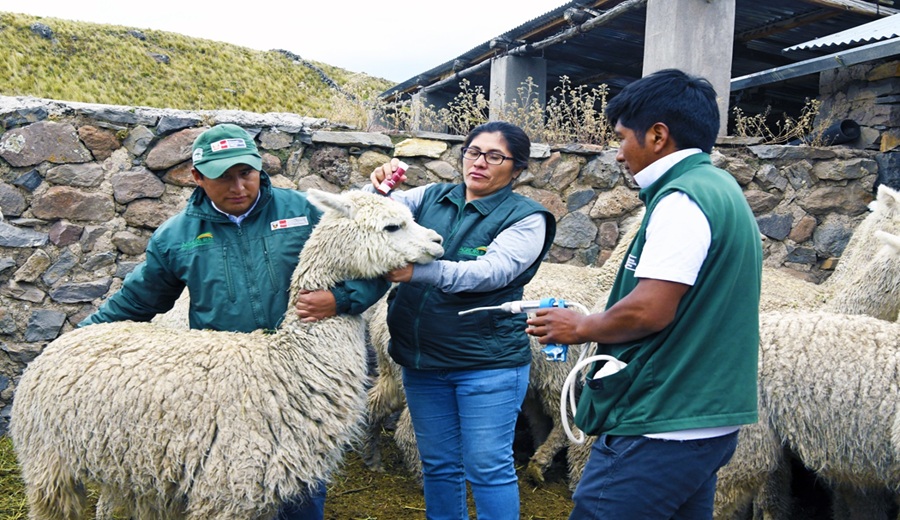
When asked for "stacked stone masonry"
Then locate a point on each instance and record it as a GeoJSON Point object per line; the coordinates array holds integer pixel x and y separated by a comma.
{"type": "Point", "coordinates": [82, 187]}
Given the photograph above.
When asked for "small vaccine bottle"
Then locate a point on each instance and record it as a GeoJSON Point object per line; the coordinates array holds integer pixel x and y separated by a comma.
{"type": "Point", "coordinates": [389, 182]}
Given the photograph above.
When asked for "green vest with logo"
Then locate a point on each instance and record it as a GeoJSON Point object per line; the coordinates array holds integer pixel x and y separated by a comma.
{"type": "Point", "coordinates": [701, 370]}
{"type": "Point", "coordinates": [426, 330]}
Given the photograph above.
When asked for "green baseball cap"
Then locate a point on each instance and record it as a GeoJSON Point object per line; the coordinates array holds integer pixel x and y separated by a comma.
{"type": "Point", "coordinates": [223, 146]}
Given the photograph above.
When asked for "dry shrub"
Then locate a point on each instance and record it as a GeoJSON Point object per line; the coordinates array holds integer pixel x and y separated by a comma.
{"type": "Point", "coordinates": [571, 115]}
{"type": "Point", "coordinates": [803, 129]}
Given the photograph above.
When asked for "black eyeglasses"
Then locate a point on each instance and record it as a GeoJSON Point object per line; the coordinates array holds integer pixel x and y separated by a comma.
{"type": "Point", "coordinates": [473, 154]}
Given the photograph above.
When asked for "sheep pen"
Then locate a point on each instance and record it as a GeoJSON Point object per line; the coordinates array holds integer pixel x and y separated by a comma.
{"type": "Point", "coordinates": [201, 424]}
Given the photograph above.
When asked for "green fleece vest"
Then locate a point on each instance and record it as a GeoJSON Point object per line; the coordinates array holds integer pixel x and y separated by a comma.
{"type": "Point", "coordinates": [426, 330]}
{"type": "Point", "coordinates": [701, 370]}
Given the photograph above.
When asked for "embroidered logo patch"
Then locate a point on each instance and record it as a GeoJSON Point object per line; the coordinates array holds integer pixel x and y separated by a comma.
{"type": "Point", "coordinates": [202, 239]}
{"type": "Point", "coordinates": [288, 223]}
{"type": "Point", "coordinates": [226, 144]}
{"type": "Point", "coordinates": [473, 251]}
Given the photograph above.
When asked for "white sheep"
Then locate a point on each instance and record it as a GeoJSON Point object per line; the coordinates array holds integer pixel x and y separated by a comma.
{"type": "Point", "coordinates": [200, 424]}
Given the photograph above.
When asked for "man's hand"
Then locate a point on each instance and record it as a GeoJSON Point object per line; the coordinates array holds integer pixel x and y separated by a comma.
{"type": "Point", "coordinates": [315, 305]}
{"type": "Point", "coordinates": [554, 325]}
{"type": "Point", "coordinates": [647, 309]}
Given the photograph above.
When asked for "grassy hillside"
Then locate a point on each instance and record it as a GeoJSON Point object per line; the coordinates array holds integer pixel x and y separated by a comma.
{"type": "Point", "coordinates": [118, 65]}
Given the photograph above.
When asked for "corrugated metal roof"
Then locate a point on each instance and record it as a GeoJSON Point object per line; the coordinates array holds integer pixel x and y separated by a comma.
{"type": "Point", "coordinates": [612, 54]}
{"type": "Point", "coordinates": [878, 30]}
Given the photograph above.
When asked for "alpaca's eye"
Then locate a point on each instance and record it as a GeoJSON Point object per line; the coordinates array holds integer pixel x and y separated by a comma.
{"type": "Point", "coordinates": [392, 228]}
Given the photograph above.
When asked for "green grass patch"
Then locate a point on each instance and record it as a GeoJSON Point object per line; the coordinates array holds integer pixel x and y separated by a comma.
{"type": "Point", "coordinates": [12, 489]}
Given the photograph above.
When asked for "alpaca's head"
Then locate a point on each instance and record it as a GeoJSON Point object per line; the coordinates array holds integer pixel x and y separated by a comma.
{"type": "Point", "coordinates": [887, 202]}
{"type": "Point", "coordinates": [363, 235]}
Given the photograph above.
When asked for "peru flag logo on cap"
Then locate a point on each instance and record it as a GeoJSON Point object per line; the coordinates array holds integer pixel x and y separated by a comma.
{"type": "Point", "coordinates": [226, 144]}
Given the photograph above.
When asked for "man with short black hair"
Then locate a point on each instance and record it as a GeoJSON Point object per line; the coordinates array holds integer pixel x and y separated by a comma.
{"type": "Point", "coordinates": [683, 314]}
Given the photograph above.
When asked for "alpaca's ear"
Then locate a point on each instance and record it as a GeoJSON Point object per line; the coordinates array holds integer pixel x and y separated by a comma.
{"type": "Point", "coordinates": [325, 201]}
{"type": "Point", "coordinates": [887, 196]}
{"type": "Point", "coordinates": [888, 239]}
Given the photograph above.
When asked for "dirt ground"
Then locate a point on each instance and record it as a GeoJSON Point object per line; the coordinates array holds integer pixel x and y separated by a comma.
{"type": "Point", "coordinates": [358, 493]}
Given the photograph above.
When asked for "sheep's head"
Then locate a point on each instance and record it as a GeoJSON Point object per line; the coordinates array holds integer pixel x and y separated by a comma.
{"type": "Point", "coordinates": [363, 235]}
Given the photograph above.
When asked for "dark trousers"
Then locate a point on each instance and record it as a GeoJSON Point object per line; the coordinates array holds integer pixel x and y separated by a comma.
{"type": "Point", "coordinates": [308, 508]}
{"type": "Point", "coordinates": [651, 479]}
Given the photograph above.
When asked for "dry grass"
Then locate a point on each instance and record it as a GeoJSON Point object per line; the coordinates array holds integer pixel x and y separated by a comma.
{"type": "Point", "coordinates": [110, 64]}
{"type": "Point", "coordinates": [572, 114]}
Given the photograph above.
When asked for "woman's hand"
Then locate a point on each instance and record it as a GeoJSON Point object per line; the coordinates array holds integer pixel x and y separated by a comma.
{"type": "Point", "coordinates": [384, 171]}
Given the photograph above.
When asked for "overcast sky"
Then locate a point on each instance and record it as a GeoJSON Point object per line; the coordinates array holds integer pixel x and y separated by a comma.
{"type": "Point", "coordinates": [394, 40]}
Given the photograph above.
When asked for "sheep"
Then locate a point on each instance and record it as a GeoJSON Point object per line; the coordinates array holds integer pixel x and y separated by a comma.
{"type": "Point", "coordinates": [583, 285]}
{"type": "Point", "coordinates": [201, 424]}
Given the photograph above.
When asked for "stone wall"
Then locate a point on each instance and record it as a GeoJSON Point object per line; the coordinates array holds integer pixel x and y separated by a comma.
{"type": "Point", "coordinates": [869, 94]}
{"type": "Point", "coordinates": [82, 187]}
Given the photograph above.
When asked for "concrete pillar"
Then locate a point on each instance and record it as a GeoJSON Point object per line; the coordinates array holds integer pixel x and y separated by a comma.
{"type": "Point", "coordinates": [424, 107]}
{"type": "Point", "coordinates": [508, 74]}
{"type": "Point", "coordinates": [696, 36]}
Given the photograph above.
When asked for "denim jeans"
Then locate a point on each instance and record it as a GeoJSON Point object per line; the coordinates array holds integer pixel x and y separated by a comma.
{"type": "Point", "coordinates": [465, 422]}
{"type": "Point", "coordinates": [638, 477]}
{"type": "Point", "coordinates": [310, 508]}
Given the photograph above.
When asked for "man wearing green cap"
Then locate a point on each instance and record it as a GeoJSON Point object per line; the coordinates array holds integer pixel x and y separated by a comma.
{"type": "Point", "coordinates": [234, 247]}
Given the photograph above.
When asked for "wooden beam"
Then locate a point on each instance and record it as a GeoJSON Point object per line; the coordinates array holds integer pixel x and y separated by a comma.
{"type": "Point", "coordinates": [856, 6]}
{"type": "Point", "coordinates": [785, 25]}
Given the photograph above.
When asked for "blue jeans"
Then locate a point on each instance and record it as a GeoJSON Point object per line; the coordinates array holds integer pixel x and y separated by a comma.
{"type": "Point", "coordinates": [465, 422]}
{"type": "Point", "coordinates": [637, 477]}
{"type": "Point", "coordinates": [309, 508]}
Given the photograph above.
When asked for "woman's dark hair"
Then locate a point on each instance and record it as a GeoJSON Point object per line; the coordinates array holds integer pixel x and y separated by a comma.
{"type": "Point", "coordinates": [516, 139]}
{"type": "Point", "coordinates": [684, 103]}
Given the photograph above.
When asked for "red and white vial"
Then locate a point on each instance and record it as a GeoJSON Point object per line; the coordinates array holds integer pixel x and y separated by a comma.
{"type": "Point", "coordinates": [389, 182]}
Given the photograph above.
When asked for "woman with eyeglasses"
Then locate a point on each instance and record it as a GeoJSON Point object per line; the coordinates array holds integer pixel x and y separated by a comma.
{"type": "Point", "coordinates": [466, 376]}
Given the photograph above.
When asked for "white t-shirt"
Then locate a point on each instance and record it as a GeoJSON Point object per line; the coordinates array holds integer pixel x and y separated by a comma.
{"type": "Point", "coordinates": [677, 240]}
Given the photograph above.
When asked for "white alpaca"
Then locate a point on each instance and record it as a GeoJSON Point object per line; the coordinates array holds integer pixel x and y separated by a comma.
{"type": "Point", "coordinates": [828, 383]}
{"type": "Point", "coordinates": [858, 285]}
{"type": "Point", "coordinates": [200, 424]}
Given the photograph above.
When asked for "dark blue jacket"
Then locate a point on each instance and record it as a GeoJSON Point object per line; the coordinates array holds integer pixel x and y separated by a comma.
{"type": "Point", "coordinates": [426, 331]}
